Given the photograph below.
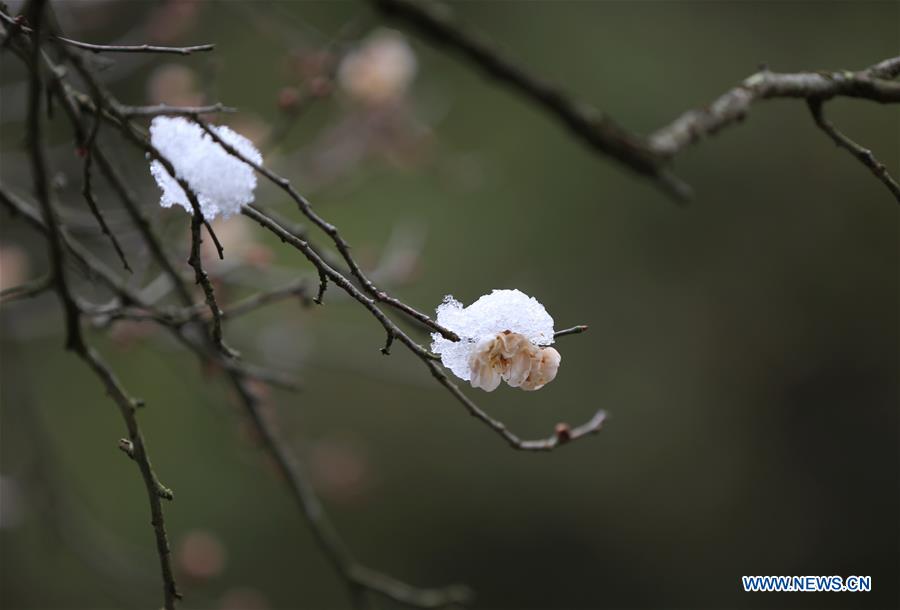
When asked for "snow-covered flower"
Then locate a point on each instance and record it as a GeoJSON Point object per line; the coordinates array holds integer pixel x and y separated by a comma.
{"type": "Point", "coordinates": [380, 70]}
{"type": "Point", "coordinates": [221, 181]}
{"type": "Point", "coordinates": [504, 336]}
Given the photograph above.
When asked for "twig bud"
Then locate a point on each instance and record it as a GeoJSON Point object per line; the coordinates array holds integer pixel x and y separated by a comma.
{"type": "Point", "coordinates": [563, 432]}
{"type": "Point", "coordinates": [288, 99]}
{"type": "Point", "coordinates": [127, 447]}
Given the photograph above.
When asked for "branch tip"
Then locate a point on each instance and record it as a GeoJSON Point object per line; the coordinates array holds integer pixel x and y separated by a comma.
{"type": "Point", "coordinates": [386, 350]}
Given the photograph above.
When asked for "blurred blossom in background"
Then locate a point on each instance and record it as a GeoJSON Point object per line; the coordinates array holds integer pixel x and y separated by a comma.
{"type": "Point", "coordinates": [746, 346]}
{"type": "Point", "coordinates": [13, 266]}
{"type": "Point", "coordinates": [379, 71]}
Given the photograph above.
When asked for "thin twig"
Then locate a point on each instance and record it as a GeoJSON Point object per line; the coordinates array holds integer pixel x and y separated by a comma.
{"type": "Point", "coordinates": [332, 231]}
{"type": "Point", "coordinates": [394, 332]}
{"type": "Point", "coordinates": [74, 340]}
{"type": "Point", "coordinates": [155, 490]}
{"type": "Point", "coordinates": [219, 249]}
{"type": "Point", "coordinates": [575, 330]}
{"type": "Point", "coordinates": [323, 286]}
{"type": "Point", "coordinates": [88, 193]}
{"type": "Point", "coordinates": [94, 268]}
{"type": "Point", "coordinates": [864, 155]}
{"type": "Point", "coordinates": [299, 289]}
{"type": "Point", "coordinates": [733, 106]}
{"type": "Point", "coordinates": [104, 48]}
{"type": "Point", "coordinates": [592, 426]}
{"type": "Point", "coordinates": [202, 279]}
{"type": "Point", "coordinates": [358, 578]}
{"type": "Point", "coordinates": [27, 290]}
{"type": "Point", "coordinates": [165, 109]}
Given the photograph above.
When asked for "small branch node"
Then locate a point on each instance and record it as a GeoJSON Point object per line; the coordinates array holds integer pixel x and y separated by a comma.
{"type": "Point", "coordinates": [563, 433]}
{"type": "Point", "coordinates": [575, 330]}
{"type": "Point", "coordinates": [127, 447]}
{"type": "Point", "coordinates": [323, 285]}
{"type": "Point", "coordinates": [386, 350]}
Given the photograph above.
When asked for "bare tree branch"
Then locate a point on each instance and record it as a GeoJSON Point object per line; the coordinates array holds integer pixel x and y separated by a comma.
{"type": "Point", "coordinates": [587, 124]}
{"type": "Point", "coordinates": [358, 578]}
{"type": "Point", "coordinates": [88, 193]}
{"type": "Point", "coordinates": [75, 340]}
{"type": "Point", "coordinates": [165, 109]}
{"type": "Point", "coordinates": [155, 489]}
{"type": "Point", "coordinates": [647, 156]}
{"type": "Point", "coordinates": [732, 106]}
{"type": "Point", "coordinates": [332, 231]}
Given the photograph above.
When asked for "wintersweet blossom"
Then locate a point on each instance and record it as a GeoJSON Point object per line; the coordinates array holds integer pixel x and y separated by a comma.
{"type": "Point", "coordinates": [379, 71]}
{"type": "Point", "coordinates": [222, 182]}
{"type": "Point", "coordinates": [504, 336]}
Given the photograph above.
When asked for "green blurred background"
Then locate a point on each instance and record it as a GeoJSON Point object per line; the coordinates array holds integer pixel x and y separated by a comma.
{"type": "Point", "coordinates": [746, 346]}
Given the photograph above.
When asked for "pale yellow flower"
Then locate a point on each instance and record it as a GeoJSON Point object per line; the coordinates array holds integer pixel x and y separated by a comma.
{"type": "Point", "coordinates": [379, 71]}
{"type": "Point", "coordinates": [513, 358]}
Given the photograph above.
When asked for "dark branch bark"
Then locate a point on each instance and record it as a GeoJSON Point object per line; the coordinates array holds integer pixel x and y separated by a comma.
{"type": "Point", "coordinates": [593, 128]}
{"type": "Point", "coordinates": [647, 156]}
{"type": "Point", "coordinates": [359, 579]}
{"type": "Point", "coordinates": [733, 106]}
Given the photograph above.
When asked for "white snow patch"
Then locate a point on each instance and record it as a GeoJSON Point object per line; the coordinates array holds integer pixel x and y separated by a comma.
{"type": "Point", "coordinates": [493, 313]}
{"type": "Point", "coordinates": [222, 182]}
